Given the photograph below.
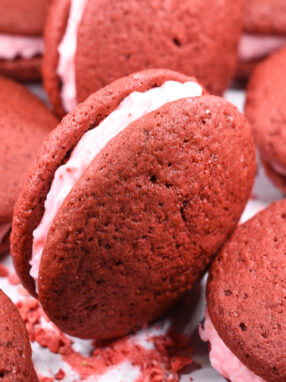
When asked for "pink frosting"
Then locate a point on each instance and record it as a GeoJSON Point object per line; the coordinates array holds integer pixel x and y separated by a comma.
{"type": "Point", "coordinates": [4, 229]}
{"type": "Point", "coordinates": [255, 47]}
{"type": "Point", "coordinates": [222, 359]}
{"type": "Point", "coordinates": [131, 108]}
{"type": "Point", "coordinates": [67, 52]}
{"type": "Point", "coordinates": [12, 47]}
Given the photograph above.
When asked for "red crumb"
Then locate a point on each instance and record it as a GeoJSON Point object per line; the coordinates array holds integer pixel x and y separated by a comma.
{"type": "Point", "coordinates": [4, 272]}
{"type": "Point", "coordinates": [178, 362]}
{"type": "Point", "coordinates": [170, 353]}
{"type": "Point", "coordinates": [14, 279]}
{"type": "Point", "coordinates": [45, 379]}
{"type": "Point", "coordinates": [52, 338]}
{"type": "Point", "coordinates": [176, 350]}
{"type": "Point", "coordinates": [60, 375]}
{"type": "Point", "coordinates": [55, 342]}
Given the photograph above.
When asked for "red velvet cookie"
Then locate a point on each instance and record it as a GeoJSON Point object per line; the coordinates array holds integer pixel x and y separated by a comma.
{"type": "Point", "coordinates": [265, 109]}
{"type": "Point", "coordinates": [15, 349]}
{"type": "Point", "coordinates": [264, 33]}
{"type": "Point", "coordinates": [246, 307]}
{"type": "Point", "coordinates": [21, 42]}
{"type": "Point", "coordinates": [90, 43]}
{"type": "Point", "coordinates": [24, 123]}
{"type": "Point", "coordinates": [128, 200]}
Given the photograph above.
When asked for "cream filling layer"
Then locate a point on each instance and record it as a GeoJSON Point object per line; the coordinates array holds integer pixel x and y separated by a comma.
{"type": "Point", "coordinates": [4, 229]}
{"type": "Point", "coordinates": [221, 357]}
{"type": "Point", "coordinates": [12, 47]}
{"type": "Point", "coordinates": [255, 47]}
{"type": "Point", "coordinates": [133, 107]}
{"type": "Point", "coordinates": [67, 52]}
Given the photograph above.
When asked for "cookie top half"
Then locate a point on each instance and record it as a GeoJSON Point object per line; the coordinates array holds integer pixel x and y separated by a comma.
{"type": "Point", "coordinates": [246, 293]}
{"type": "Point", "coordinates": [144, 217]}
{"type": "Point", "coordinates": [24, 18]}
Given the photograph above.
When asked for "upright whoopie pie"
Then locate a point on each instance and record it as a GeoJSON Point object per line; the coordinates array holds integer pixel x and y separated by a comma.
{"type": "Point", "coordinates": [15, 349]}
{"type": "Point", "coordinates": [246, 301]}
{"type": "Point", "coordinates": [24, 123]}
{"type": "Point", "coordinates": [265, 109]}
{"type": "Point", "coordinates": [21, 41]}
{"type": "Point", "coordinates": [128, 200]}
{"type": "Point", "coordinates": [90, 43]}
{"type": "Point", "coordinates": [264, 33]}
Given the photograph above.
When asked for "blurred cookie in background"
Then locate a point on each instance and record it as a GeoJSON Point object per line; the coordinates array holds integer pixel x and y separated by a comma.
{"type": "Point", "coordinates": [90, 43]}
{"type": "Point", "coordinates": [24, 123]}
{"type": "Point", "coordinates": [21, 41]}
{"type": "Point", "coordinates": [265, 109]}
{"type": "Point", "coordinates": [264, 33]}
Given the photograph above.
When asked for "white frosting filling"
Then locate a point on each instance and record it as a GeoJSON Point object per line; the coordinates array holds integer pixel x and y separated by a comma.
{"type": "Point", "coordinates": [4, 229]}
{"type": "Point", "coordinates": [67, 52]}
{"type": "Point", "coordinates": [221, 357]}
{"type": "Point", "coordinates": [131, 108]}
{"type": "Point", "coordinates": [255, 47]}
{"type": "Point", "coordinates": [12, 47]}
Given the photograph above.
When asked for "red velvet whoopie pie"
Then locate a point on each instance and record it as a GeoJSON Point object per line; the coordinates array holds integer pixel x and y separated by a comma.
{"type": "Point", "coordinates": [129, 199]}
{"type": "Point", "coordinates": [90, 43]}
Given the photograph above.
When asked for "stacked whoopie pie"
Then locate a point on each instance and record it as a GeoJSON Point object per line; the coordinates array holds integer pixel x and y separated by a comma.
{"type": "Point", "coordinates": [21, 41]}
{"type": "Point", "coordinates": [128, 201]}
{"type": "Point", "coordinates": [90, 43]}
{"type": "Point", "coordinates": [264, 33]}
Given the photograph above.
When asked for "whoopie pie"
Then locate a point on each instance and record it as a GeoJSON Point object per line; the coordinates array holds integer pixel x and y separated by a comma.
{"type": "Point", "coordinates": [90, 43]}
{"type": "Point", "coordinates": [246, 305]}
{"type": "Point", "coordinates": [21, 38]}
{"type": "Point", "coordinates": [129, 199]}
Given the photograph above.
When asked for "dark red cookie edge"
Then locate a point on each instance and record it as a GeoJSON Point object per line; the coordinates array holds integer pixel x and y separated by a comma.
{"type": "Point", "coordinates": [21, 69]}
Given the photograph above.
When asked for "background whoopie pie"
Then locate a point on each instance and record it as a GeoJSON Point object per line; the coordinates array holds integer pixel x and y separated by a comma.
{"type": "Point", "coordinates": [15, 349]}
{"type": "Point", "coordinates": [90, 43]}
{"type": "Point", "coordinates": [246, 307]}
{"type": "Point", "coordinates": [265, 109]}
{"type": "Point", "coordinates": [128, 200]}
{"type": "Point", "coordinates": [24, 123]}
{"type": "Point", "coordinates": [21, 42]}
{"type": "Point", "coordinates": [264, 33]}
